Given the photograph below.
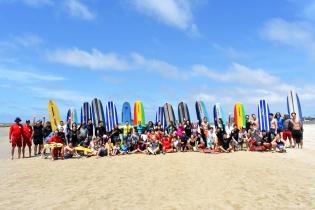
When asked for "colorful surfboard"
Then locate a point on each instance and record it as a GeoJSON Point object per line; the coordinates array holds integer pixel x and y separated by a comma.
{"type": "Point", "coordinates": [263, 116]}
{"type": "Point", "coordinates": [169, 114]}
{"type": "Point", "coordinates": [201, 111]}
{"type": "Point", "coordinates": [294, 105]}
{"type": "Point", "coordinates": [97, 112]}
{"type": "Point", "coordinates": [239, 115]}
{"type": "Point", "coordinates": [126, 113]}
{"type": "Point", "coordinates": [159, 117]}
{"type": "Point", "coordinates": [218, 113]}
{"type": "Point", "coordinates": [54, 115]}
{"type": "Point", "coordinates": [139, 115]}
{"type": "Point", "coordinates": [183, 112]}
{"type": "Point", "coordinates": [111, 116]}
{"type": "Point", "coordinates": [86, 112]}
{"type": "Point", "coordinates": [72, 115]}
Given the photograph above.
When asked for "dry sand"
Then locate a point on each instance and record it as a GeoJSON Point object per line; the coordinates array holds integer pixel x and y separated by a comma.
{"type": "Point", "coordinates": [243, 180]}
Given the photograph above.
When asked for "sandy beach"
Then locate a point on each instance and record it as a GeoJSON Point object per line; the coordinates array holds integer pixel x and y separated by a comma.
{"type": "Point", "coordinates": [243, 180]}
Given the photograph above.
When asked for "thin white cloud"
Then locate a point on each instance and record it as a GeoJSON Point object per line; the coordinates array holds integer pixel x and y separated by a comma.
{"type": "Point", "coordinates": [27, 76]}
{"type": "Point", "coordinates": [157, 66]}
{"type": "Point", "coordinates": [29, 40]}
{"type": "Point", "coordinates": [237, 73]}
{"type": "Point", "coordinates": [177, 13]}
{"type": "Point", "coordinates": [300, 35]}
{"type": "Point", "coordinates": [58, 94]}
{"type": "Point", "coordinates": [79, 10]}
{"type": "Point", "coordinates": [95, 60]}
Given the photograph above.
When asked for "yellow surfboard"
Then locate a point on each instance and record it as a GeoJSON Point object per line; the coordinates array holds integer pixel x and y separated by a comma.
{"type": "Point", "coordinates": [83, 149]}
{"type": "Point", "coordinates": [54, 115]}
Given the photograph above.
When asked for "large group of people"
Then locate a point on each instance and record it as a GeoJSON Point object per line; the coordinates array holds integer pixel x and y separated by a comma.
{"type": "Point", "coordinates": [72, 140]}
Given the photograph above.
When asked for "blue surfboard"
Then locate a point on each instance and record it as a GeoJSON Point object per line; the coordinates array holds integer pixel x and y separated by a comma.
{"type": "Point", "coordinates": [183, 112]}
{"type": "Point", "coordinates": [86, 112]}
{"type": "Point", "coordinates": [126, 113]}
{"type": "Point", "coordinates": [72, 115]}
{"type": "Point", "coordinates": [263, 116]}
{"type": "Point", "coordinates": [111, 116]}
{"type": "Point", "coordinates": [201, 111]}
{"type": "Point", "coordinates": [218, 113]}
{"type": "Point", "coordinates": [294, 105]}
{"type": "Point", "coordinates": [159, 117]}
{"type": "Point", "coordinates": [97, 112]}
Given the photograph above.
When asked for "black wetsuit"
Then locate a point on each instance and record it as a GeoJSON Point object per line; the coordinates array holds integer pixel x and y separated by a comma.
{"type": "Point", "coordinates": [38, 134]}
{"type": "Point", "coordinates": [100, 131]}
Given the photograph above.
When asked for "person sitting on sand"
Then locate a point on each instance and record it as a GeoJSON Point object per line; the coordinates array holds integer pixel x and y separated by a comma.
{"type": "Point", "coordinates": [225, 145]}
{"type": "Point", "coordinates": [278, 144]}
{"type": "Point", "coordinates": [266, 140]}
{"type": "Point", "coordinates": [153, 147]}
{"type": "Point", "coordinates": [69, 151]}
{"type": "Point", "coordinates": [167, 144]}
{"type": "Point", "coordinates": [124, 149]}
{"type": "Point", "coordinates": [57, 146]}
{"type": "Point", "coordinates": [116, 148]}
{"type": "Point", "coordinates": [211, 139]}
{"type": "Point", "coordinates": [109, 146]}
{"type": "Point", "coordinates": [242, 138]}
{"type": "Point", "coordinates": [16, 137]}
{"type": "Point", "coordinates": [183, 142]}
{"type": "Point", "coordinates": [256, 143]}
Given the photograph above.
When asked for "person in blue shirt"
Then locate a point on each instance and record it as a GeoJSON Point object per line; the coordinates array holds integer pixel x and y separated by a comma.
{"type": "Point", "coordinates": [279, 120]}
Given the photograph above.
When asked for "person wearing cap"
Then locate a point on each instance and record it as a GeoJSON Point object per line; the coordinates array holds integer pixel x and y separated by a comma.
{"type": "Point", "coordinates": [15, 136]}
{"type": "Point", "coordinates": [27, 137]}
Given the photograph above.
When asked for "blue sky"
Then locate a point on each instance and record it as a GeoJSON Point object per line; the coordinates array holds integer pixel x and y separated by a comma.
{"type": "Point", "coordinates": [155, 51]}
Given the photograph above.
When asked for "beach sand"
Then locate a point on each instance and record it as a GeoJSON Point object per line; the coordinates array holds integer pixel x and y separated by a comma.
{"type": "Point", "coordinates": [242, 180]}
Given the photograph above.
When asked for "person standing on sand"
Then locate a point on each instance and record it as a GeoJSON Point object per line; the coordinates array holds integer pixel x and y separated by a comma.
{"type": "Point", "coordinates": [255, 122]}
{"type": "Point", "coordinates": [273, 126]}
{"type": "Point", "coordinates": [37, 136]}
{"type": "Point", "coordinates": [279, 123]}
{"type": "Point", "coordinates": [16, 137]}
{"type": "Point", "coordinates": [297, 130]}
{"type": "Point", "coordinates": [287, 134]}
{"type": "Point", "coordinates": [27, 138]}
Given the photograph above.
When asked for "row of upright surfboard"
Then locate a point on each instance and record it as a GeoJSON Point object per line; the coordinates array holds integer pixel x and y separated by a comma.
{"type": "Point", "coordinates": [166, 115]}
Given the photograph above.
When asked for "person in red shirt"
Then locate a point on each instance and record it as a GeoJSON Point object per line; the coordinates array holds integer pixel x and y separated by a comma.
{"type": "Point", "coordinates": [27, 133]}
{"type": "Point", "coordinates": [56, 150]}
{"type": "Point", "coordinates": [167, 144]}
{"type": "Point", "coordinates": [15, 137]}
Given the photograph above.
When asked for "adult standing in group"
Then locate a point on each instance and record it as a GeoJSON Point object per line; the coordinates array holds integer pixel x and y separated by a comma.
{"type": "Point", "coordinates": [90, 129]}
{"type": "Point", "coordinates": [27, 138]}
{"type": "Point", "coordinates": [255, 122]}
{"type": "Point", "coordinates": [38, 136]}
{"type": "Point", "coordinates": [287, 126]}
{"type": "Point", "coordinates": [297, 130]}
{"type": "Point", "coordinates": [279, 123]}
{"type": "Point", "coordinates": [15, 137]}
